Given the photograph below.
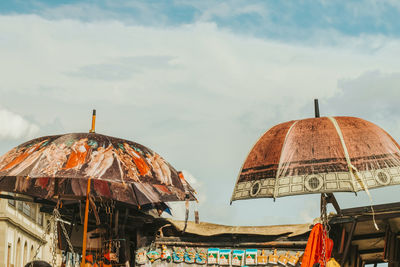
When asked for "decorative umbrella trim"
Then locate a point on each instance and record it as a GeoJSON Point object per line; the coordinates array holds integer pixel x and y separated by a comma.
{"type": "Point", "coordinates": [336, 182]}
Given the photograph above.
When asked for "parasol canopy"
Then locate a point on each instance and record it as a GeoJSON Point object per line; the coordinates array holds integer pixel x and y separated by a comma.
{"type": "Point", "coordinates": [319, 155]}
{"type": "Point", "coordinates": [59, 166]}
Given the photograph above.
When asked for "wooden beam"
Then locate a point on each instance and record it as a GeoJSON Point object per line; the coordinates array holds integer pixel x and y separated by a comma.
{"type": "Point", "coordinates": [348, 243]}
{"type": "Point", "coordinates": [16, 198]}
{"type": "Point", "coordinates": [116, 223]}
{"type": "Point", "coordinates": [357, 260]}
{"type": "Point", "coordinates": [374, 262]}
{"type": "Point", "coordinates": [363, 218]}
{"type": "Point", "coordinates": [386, 245]}
{"type": "Point", "coordinates": [368, 236]}
{"type": "Point", "coordinates": [342, 240]}
{"type": "Point", "coordinates": [392, 251]}
{"type": "Point", "coordinates": [332, 199]}
{"type": "Point", "coordinates": [371, 251]}
{"type": "Point", "coordinates": [34, 200]}
{"type": "Point", "coordinates": [367, 209]}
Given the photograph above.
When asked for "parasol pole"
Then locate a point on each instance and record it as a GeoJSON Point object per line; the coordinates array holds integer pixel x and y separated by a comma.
{"type": "Point", "coordinates": [316, 110]}
{"type": "Point", "coordinates": [85, 225]}
{"type": "Point", "coordinates": [92, 130]}
{"type": "Point", "coordinates": [326, 197]}
{"type": "Point", "coordinates": [323, 203]}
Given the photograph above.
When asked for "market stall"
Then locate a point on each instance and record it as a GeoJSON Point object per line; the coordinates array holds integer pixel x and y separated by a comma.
{"type": "Point", "coordinates": [213, 244]}
{"type": "Point", "coordinates": [359, 243]}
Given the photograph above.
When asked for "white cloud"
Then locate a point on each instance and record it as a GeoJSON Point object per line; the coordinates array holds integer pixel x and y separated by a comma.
{"type": "Point", "coordinates": [178, 208]}
{"type": "Point", "coordinates": [14, 126]}
{"type": "Point", "coordinates": [199, 95]}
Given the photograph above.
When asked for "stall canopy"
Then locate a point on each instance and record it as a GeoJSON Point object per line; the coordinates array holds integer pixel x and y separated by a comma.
{"type": "Point", "coordinates": [358, 242]}
{"type": "Point", "coordinates": [211, 229]}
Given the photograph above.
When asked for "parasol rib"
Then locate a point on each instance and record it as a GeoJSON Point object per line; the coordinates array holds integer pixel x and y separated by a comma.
{"type": "Point", "coordinates": [280, 158]}
{"type": "Point", "coordinates": [346, 155]}
{"type": "Point", "coordinates": [352, 169]}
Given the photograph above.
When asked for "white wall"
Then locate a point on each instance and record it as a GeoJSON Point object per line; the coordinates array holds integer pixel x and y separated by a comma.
{"type": "Point", "coordinates": [17, 226]}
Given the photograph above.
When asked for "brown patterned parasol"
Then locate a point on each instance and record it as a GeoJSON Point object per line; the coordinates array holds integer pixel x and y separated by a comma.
{"type": "Point", "coordinates": [53, 167]}
{"type": "Point", "coordinates": [319, 155]}
{"type": "Point", "coordinates": [94, 166]}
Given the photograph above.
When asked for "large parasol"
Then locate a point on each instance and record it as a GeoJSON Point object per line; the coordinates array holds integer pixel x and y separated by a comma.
{"type": "Point", "coordinates": [319, 155]}
{"type": "Point", "coordinates": [59, 166]}
{"type": "Point", "coordinates": [78, 165]}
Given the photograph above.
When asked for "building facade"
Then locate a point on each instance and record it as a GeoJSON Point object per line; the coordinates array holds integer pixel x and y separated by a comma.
{"type": "Point", "coordinates": [23, 231]}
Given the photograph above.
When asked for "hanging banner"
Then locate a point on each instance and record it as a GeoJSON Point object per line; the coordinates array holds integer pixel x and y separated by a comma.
{"type": "Point", "coordinates": [225, 257]}
{"type": "Point", "coordinates": [262, 258]}
{"type": "Point", "coordinates": [201, 256]}
{"type": "Point", "coordinates": [238, 258]}
{"type": "Point", "coordinates": [190, 255]}
{"type": "Point", "coordinates": [251, 256]}
{"type": "Point", "coordinates": [178, 255]}
{"type": "Point", "coordinates": [212, 256]}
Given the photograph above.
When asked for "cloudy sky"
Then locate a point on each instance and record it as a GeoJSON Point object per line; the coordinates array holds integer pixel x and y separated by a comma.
{"type": "Point", "coordinates": [199, 81]}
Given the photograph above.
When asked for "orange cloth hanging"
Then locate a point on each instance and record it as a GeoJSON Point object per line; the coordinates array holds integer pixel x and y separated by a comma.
{"type": "Point", "coordinates": [314, 249]}
{"type": "Point", "coordinates": [89, 261]}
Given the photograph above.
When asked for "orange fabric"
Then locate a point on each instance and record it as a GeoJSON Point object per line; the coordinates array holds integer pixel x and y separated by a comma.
{"type": "Point", "coordinates": [89, 258]}
{"type": "Point", "coordinates": [315, 243]}
{"type": "Point", "coordinates": [77, 157]}
{"type": "Point", "coordinates": [22, 157]}
{"type": "Point", "coordinates": [107, 256]}
{"type": "Point", "coordinates": [140, 163]}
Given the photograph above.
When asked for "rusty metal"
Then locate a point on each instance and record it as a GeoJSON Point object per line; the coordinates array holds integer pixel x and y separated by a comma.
{"type": "Point", "coordinates": [348, 243]}
{"type": "Point", "coordinates": [342, 240]}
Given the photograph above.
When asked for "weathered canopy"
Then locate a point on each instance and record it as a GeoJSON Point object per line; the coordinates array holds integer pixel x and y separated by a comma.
{"type": "Point", "coordinates": [60, 165]}
{"type": "Point", "coordinates": [317, 155]}
{"type": "Point", "coordinates": [211, 229]}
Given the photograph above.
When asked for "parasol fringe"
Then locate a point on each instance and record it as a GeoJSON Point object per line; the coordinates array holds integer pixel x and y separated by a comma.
{"type": "Point", "coordinates": [356, 177]}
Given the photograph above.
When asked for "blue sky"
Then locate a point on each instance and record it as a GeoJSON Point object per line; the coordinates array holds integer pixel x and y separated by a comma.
{"type": "Point", "coordinates": [284, 20]}
{"type": "Point", "coordinates": [199, 81]}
